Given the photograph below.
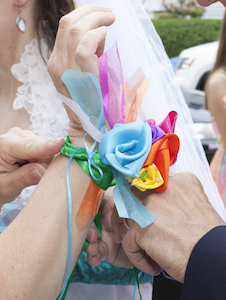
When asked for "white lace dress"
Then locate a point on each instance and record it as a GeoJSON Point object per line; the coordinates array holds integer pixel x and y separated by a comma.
{"type": "Point", "coordinates": [37, 95]}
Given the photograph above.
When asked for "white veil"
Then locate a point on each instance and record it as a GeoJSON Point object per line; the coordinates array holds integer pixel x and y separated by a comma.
{"type": "Point", "coordinates": [140, 46]}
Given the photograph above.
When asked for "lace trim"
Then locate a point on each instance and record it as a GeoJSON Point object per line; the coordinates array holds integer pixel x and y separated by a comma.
{"type": "Point", "coordinates": [37, 95]}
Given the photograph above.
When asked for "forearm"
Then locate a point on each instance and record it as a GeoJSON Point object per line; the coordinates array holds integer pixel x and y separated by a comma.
{"type": "Point", "coordinates": [34, 248]}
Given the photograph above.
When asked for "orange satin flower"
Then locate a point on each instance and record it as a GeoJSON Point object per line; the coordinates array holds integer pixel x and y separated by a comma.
{"type": "Point", "coordinates": [163, 153]}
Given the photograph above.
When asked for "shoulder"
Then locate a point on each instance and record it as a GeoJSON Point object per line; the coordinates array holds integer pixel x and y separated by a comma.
{"type": "Point", "coordinates": [216, 90]}
{"type": "Point", "coordinates": [217, 79]}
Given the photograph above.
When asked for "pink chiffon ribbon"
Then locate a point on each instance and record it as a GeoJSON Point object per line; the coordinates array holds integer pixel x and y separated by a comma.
{"type": "Point", "coordinates": [121, 100]}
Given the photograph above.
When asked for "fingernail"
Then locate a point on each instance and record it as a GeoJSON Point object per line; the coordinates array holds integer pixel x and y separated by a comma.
{"type": "Point", "coordinates": [107, 8]}
{"type": "Point", "coordinates": [35, 174]}
{"type": "Point", "coordinates": [56, 141]}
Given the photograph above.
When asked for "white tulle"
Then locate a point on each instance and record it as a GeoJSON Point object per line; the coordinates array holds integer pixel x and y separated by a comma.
{"type": "Point", "coordinates": [140, 46]}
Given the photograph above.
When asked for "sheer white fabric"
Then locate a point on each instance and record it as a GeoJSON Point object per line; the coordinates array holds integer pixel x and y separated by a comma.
{"type": "Point", "coordinates": [140, 46]}
{"type": "Point", "coordinates": [83, 291]}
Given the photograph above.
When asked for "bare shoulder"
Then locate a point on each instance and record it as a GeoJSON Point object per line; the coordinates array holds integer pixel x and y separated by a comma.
{"type": "Point", "coordinates": [216, 90]}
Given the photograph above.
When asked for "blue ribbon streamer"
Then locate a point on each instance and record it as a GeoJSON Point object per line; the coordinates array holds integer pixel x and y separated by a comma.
{"type": "Point", "coordinates": [135, 287]}
{"type": "Point", "coordinates": [91, 162]}
{"type": "Point", "coordinates": [85, 90]}
{"type": "Point", "coordinates": [69, 224]}
{"type": "Point", "coordinates": [128, 206]}
{"type": "Point", "coordinates": [90, 153]}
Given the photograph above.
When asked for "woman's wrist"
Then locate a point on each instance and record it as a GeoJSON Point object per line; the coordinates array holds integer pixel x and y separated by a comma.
{"type": "Point", "coordinates": [77, 138]}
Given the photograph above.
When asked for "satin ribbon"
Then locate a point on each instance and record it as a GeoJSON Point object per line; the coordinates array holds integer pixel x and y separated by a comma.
{"type": "Point", "coordinates": [87, 103]}
{"type": "Point", "coordinates": [90, 205]}
{"type": "Point", "coordinates": [128, 206]}
{"type": "Point", "coordinates": [91, 163]}
{"type": "Point", "coordinates": [126, 147]}
{"type": "Point", "coordinates": [121, 101]}
{"type": "Point", "coordinates": [168, 124]}
{"type": "Point", "coordinates": [60, 297]}
{"type": "Point", "coordinates": [82, 159]}
{"type": "Point", "coordinates": [148, 178]}
{"type": "Point", "coordinates": [163, 153]}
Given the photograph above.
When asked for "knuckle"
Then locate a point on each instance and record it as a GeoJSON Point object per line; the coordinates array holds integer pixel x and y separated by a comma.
{"type": "Point", "coordinates": [75, 31]}
{"type": "Point", "coordinates": [81, 54]}
{"type": "Point", "coordinates": [92, 7]}
{"type": "Point", "coordinates": [4, 191]}
{"type": "Point", "coordinates": [192, 177]}
{"type": "Point", "coordinates": [23, 180]}
{"type": "Point", "coordinates": [64, 22]}
{"type": "Point", "coordinates": [28, 145]}
{"type": "Point", "coordinates": [15, 130]}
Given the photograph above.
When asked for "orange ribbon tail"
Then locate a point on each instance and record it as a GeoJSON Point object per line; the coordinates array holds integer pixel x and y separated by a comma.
{"type": "Point", "coordinates": [90, 205]}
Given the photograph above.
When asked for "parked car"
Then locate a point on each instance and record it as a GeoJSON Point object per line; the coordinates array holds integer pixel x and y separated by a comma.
{"type": "Point", "coordinates": [194, 65]}
{"type": "Point", "coordinates": [202, 121]}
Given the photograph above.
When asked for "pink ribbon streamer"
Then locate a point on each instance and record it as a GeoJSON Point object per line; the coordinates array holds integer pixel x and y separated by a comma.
{"type": "Point", "coordinates": [112, 87]}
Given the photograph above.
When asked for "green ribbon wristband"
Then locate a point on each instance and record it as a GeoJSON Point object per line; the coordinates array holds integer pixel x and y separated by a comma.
{"type": "Point", "coordinates": [82, 159]}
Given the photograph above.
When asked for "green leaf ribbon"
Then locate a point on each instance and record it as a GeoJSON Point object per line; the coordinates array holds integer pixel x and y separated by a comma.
{"type": "Point", "coordinates": [81, 157]}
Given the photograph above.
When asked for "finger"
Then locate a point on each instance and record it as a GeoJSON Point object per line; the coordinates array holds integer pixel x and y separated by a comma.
{"type": "Point", "coordinates": [137, 256]}
{"type": "Point", "coordinates": [18, 149]}
{"type": "Point", "coordinates": [83, 26]}
{"type": "Point", "coordinates": [117, 225]}
{"type": "Point", "coordinates": [27, 175]}
{"type": "Point", "coordinates": [99, 52]}
{"type": "Point", "coordinates": [94, 260]}
{"type": "Point", "coordinates": [67, 21]}
{"type": "Point", "coordinates": [93, 234]}
{"type": "Point", "coordinates": [92, 249]}
{"type": "Point", "coordinates": [85, 55]}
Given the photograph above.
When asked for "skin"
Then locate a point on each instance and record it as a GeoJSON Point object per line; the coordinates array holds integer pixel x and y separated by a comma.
{"type": "Point", "coordinates": [12, 46]}
{"type": "Point", "coordinates": [206, 3]}
{"type": "Point", "coordinates": [216, 91]}
{"type": "Point", "coordinates": [32, 153]}
{"type": "Point", "coordinates": [184, 216]}
{"type": "Point", "coordinates": [38, 238]}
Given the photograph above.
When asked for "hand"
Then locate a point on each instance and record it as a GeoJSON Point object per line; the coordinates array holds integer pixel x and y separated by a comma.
{"type": "Point", "coordinates": [79, 42]}
{"type": "Point", "coordinates": [23, 159]}
{"type": "Point", "coordinates": [184, 216]}
{"type": "Point", "coordinates": [109, 245]}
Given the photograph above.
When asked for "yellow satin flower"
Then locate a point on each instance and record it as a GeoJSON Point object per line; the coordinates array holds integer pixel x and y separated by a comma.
{"type": "Point", "coordinates": [148, 178]}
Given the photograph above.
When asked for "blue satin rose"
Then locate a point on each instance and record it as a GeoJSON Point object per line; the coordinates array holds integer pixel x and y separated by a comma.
{"type": "Point", "coordinates": [126, 147]}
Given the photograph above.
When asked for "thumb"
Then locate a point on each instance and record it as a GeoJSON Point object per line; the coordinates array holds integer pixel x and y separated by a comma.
{"type": "Point", "coordinates": [16, 181]}
{"type": "Point", "coordinates": [137, 256]}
